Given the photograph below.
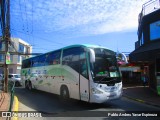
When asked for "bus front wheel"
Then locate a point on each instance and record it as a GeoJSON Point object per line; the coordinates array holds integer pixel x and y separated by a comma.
{"type": "Point", "coordinates": [64, 93]}
{"type": "Point", "coordinates": [28, 85]}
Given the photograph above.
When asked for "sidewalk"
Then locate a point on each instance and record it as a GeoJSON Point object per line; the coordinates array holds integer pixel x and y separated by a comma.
{"type": "Point", "coordinates": [142, 94]}
{"type": "Point", "coordinates": [4, 101]}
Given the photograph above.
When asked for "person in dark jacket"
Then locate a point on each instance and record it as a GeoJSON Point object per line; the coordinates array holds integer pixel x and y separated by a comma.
{"type": "Point", "coordinates": [144, 79]}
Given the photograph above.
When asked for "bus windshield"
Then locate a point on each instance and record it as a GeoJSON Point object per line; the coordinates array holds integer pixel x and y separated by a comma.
{"type": "Point", "coordinates": [105, 67]}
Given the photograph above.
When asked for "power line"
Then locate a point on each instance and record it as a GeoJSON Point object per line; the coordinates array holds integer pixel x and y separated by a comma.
{"type": "Point", "coordinates": [47, 40]}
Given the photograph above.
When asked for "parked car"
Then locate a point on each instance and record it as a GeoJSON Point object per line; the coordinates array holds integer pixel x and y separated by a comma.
{"type": "Point", "coordinates": [12, 78]}
{"type": "Point", "coordinates": [15, 78]}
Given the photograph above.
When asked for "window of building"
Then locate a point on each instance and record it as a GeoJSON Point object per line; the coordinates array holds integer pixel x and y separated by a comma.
{"type": "Point", "coordinates": [10, 71]}
{"type": "Point", "coordinates": [11, 46]}
{"type": "Point", "coordinates": [155, 30]}
{"type": "Point", "coordinates": [2, 45]}
{"type": "Point", "coordinates": [27, 49]}
{"type": "Point", "coordinates": [23, 57]}
{"type": "Point", "coordinates": [19, 59]}
{"type": "Point", "coordinates": [11, 57]}
{"type": "Point", "coordinates": [142, 40]}
{"type": "Point", "coordinates": [1, 58]}
{"type": "Point", "coordinates": [21, 48]}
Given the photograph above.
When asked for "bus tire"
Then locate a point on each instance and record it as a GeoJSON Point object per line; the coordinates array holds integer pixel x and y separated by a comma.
{"type": "Point", "coordinates": [26, 84]}
{"type": "Point", "coordinates": [64, 94]}
{"type": "Point", "coordinates": [29, 85]}
{"type": "Point", "coordinates": [17, 84]}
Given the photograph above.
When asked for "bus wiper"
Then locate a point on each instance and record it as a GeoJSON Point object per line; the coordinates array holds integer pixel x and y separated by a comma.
{"type": "Point", "coordinates": [102, 79]}
{"type": "Point", "coordinates": [110, 80]}
{"type": "Point", "coordinates": [106, 80]}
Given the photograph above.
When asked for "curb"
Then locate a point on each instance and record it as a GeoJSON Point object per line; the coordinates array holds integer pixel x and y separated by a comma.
{"type": "Point", "coordinates": [141, 101]}
{"type": "Point", "coordinates": [15, 107]}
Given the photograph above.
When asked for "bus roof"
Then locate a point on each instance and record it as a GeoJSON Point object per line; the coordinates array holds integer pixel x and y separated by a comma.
{"type": "Point", "coordinates": [71, 46]}
{"type": "Point", "coordinates": [85, 45]}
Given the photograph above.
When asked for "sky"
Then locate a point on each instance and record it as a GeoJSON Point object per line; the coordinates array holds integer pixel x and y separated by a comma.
{"type": "Point", "coordinates": [52, 24]}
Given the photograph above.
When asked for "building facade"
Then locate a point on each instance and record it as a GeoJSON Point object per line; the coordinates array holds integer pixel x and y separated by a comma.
{"type": "Point", "coordinates": [16, 48]}
{"type": "Point", "coordinates": [147, 48]}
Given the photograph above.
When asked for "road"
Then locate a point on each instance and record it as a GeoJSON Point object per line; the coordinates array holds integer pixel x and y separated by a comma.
{"type": "Point", "coordinates": [49, 105]}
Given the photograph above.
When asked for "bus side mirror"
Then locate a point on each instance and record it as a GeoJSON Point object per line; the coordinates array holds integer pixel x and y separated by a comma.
{"type": "Point", "coordinates": [92, 55]}
{"type": "Point", "coordinates": [122, 59]}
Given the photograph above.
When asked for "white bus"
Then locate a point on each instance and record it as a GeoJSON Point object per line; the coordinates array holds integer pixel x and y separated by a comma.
{"type": "Point", "coordinates": [83, 72]}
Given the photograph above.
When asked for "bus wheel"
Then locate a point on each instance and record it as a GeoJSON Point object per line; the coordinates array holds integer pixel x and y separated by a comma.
{"type": "Point", "coordinates": [17, 84]}
{"type": "Point", "coordinates": [26, 84]}
{"type": "Point", "coordinates": [64, 93]}
{"type": "Point", "coordinates": [29, 85]}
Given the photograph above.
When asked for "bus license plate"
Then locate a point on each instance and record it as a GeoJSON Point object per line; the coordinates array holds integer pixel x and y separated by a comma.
{"type": "Point", "coordinates": [110, 89]}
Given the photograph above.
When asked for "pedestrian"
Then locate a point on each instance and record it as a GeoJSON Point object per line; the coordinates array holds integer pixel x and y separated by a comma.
{"type": "Point", "coordinates": [144, 79]}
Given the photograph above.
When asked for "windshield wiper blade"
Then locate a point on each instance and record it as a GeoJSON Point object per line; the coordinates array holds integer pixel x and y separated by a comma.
{"type": "Point", "coordinates": [110, 80]}
{"type": "Point", "coordinates": [102, 79]}
{"type": "Point", "coordinates": [106, 80]}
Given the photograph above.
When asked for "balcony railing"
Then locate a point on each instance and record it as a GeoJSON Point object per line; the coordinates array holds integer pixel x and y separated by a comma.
{"type": "Point", "coordinates": [150, 7]}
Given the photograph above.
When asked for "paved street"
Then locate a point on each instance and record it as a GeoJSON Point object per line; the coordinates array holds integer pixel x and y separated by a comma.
{"type": "Point", "coordinates": [49, 105]}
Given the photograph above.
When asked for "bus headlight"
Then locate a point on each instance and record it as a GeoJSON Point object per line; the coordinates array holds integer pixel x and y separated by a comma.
{"type": "Point", "coordinates": [96, 91]}
{"type": "Point", "coordinates": [119, 85]}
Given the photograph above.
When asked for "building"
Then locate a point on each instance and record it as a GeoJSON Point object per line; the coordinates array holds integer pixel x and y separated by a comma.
{"type": "Point", "coordinates": [147, 48]}
{"type": "Point", "coordinates": [16, 47]}
{"type": "Point", "coordinates": [130, 72]}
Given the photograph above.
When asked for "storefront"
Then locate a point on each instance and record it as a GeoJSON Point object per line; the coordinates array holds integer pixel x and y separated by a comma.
{"type": "Point", "coordinates": [147, 49]}
{"type": "Point", "coordinates": [131, 75]}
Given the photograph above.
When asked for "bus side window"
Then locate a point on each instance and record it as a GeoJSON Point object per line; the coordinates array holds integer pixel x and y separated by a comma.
{"type": "Point", "coordinates": [55, 62]}
{"type": "Point", "coordinates": [42, 60]}
{"type": "Point", "coordinates": [35, 62]}
{"type": "Point", "coordinates": [83, 68]}
{"type": "Point", "coordinates": [76, 59]}
{"type": "Point", "coordinates": [53, 58]}
{"type": "Point", "coordinates": [83, 65]}
{"type": "Point", "coordinates": [29, 64]}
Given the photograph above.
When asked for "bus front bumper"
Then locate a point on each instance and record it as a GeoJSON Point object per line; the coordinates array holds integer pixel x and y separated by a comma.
{"type": "Point", "coordinates": [106, 96]}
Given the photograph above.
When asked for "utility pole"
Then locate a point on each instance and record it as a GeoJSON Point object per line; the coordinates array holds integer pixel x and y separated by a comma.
{"type": "Point", "coordinates": [7, 40]}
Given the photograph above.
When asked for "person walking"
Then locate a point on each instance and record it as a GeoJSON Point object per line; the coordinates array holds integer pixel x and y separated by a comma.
{"type": "Point", "coordinates": [144, 79]}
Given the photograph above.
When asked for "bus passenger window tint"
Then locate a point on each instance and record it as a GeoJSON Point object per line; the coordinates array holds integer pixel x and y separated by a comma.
{"type": "Point", "coordinates": [53, 58]}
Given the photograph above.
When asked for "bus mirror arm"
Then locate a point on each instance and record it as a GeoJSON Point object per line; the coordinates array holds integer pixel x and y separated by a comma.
{"type": "Point", "coordinates": [92, 55]}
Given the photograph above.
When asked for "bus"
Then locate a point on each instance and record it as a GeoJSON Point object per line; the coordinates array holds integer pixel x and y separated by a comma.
{"type": "Point", "coordinates": [83, 72]}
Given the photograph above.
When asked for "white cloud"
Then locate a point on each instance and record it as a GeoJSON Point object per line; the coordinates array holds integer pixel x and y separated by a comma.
{"type": "Point", "coordinates": [85, 16]}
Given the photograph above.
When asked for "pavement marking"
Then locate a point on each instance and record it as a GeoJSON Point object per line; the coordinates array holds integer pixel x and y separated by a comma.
{"type": "Point", "coordinates": [15, 107]}
{"type": "Point", "coordinates": [142, 101]}
{"type": "Point", "coordinates": [135, 99]}
{"type": "Point", "coordinates": [134, 87]}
